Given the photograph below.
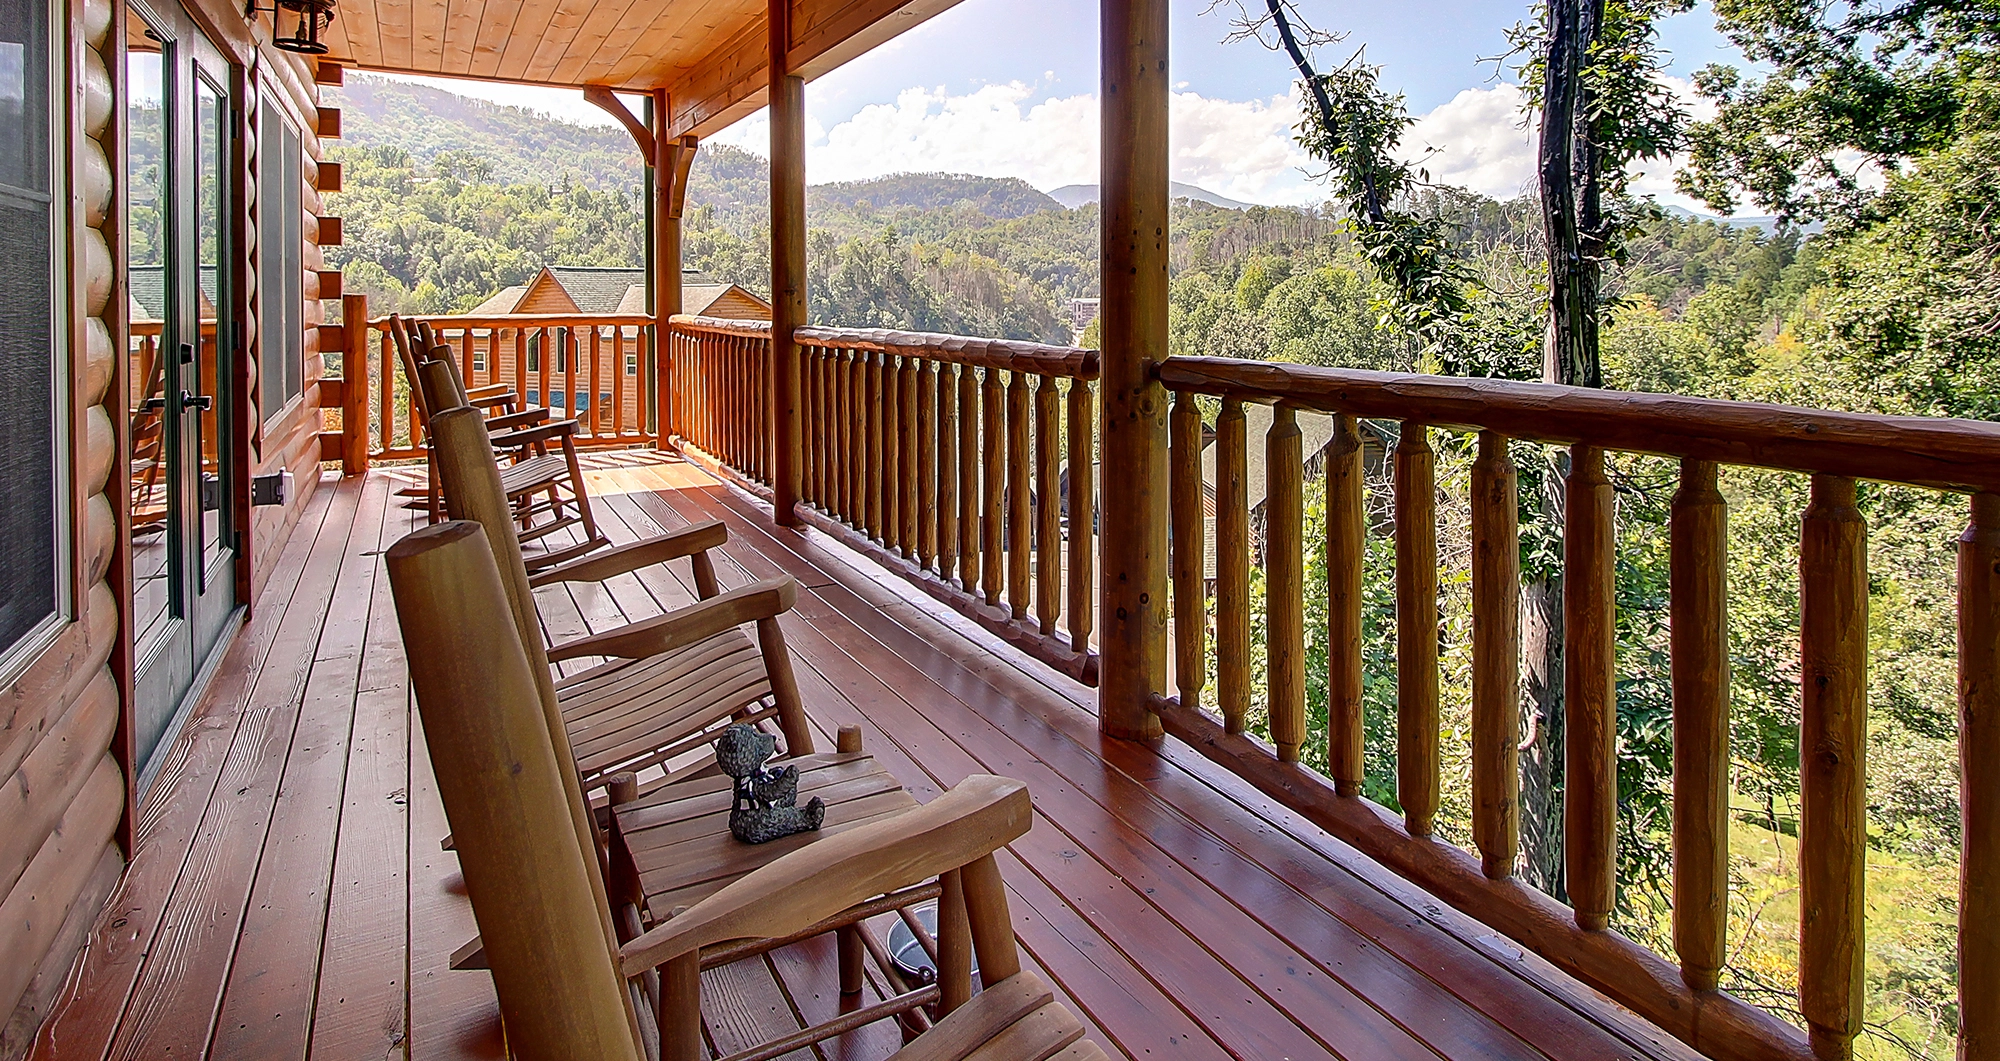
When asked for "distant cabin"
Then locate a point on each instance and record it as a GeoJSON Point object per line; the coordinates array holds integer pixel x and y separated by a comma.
{"type": "Point", "coordinates": [591, 290]}
{"type": "Point", "coordinates": [601, 289]}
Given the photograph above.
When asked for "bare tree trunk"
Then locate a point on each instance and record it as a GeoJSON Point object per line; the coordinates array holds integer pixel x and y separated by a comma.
{"type": "Point", "coordinates": [1572, 220]}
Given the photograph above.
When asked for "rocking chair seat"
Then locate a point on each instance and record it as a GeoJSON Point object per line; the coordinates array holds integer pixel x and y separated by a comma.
{"type": "Point", "coordinates": [633, 714]}
{"type": "Point", "coordinates": [533, 473]}
{"type": "Point", "coordinates": [678, 836]}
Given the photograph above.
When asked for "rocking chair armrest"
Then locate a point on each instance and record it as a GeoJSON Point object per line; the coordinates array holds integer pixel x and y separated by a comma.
{"type": "Point", "coordinates": [492, 390]}
{"type": "Point", "coordinates": [710, 534]}
{"type": "Point", "coordinates": [804, 887]}
{"type": "Point", "coordinates": [510, 421]}
{"type": "Point", "coordinates": [552, 431]}
{"type": "Point", "coordinates": [767, 599]}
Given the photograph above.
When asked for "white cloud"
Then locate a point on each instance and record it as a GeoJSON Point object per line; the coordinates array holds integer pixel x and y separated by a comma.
{"type": "Point", "coordinates": [1476, 140]}
{"type": "Point", "coordinates": [1243, 150]}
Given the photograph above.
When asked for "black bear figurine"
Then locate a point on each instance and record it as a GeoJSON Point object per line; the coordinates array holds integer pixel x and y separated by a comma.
{"type": "Point", "coordinates": [765, 807]}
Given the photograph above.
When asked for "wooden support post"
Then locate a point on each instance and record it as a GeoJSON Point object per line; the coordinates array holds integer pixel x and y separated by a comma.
{"type": "Point", "coordinates": [1833, 740]}
{"type": "Point", "coordinates": [1082, 515]}
{"type": "Point", "coordinates": [560, 992]}
{"type": "Point", "coordinates": [788, 260]}
{"type": "Point", "coordinates": [1699, 632]}
{"type": "Point", "coordinates": [1346, 548]}
{"type": "Point", "coordinates": [669, 193]}
{"type": "Point", "coordinates": [1416, 629]}
{"type": "Point", "coordinates": [354, 384]}
{"type": "Point", "coordinates": [1979, 782]}
{"type": "Point", "coordinates": [954, 940]}
{"type": "Point", "coordinates": [1190, 591]}
{"type": "Point", "coordinates": [1232, 569]}
{"type": "Point", "coordinates": [1590, 706]}
{"type": "Point", "coordinates": [992, 928]}
{"type": "Point", "coordinates": [1285, 582]}
{"type": "Point", "coordinates": [1133, 321]}
{"type": "Point", "coordinates": [1496, 657]}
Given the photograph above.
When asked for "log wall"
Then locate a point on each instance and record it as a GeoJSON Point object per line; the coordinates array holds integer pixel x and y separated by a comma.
{"type": "Point", "coordinates": [64, 792]}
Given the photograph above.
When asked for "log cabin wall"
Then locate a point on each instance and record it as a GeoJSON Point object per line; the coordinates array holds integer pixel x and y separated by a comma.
{"type": "Point", "coordinates": [64, 810]}
{"type": "Point", "coordinates": [65, 793]}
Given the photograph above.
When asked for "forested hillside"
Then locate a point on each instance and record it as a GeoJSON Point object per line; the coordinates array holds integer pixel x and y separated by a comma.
{"type": "Point", "coordinates": [447, 201]}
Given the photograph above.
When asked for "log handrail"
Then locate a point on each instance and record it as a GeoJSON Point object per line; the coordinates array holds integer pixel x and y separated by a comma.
{"type": "Point", "coordinates": [1834, 449]}
{"type": "Point", "coordinates": [1012, 355]}
{"type": "Point", "coordinates": [942, 457]}
{"type": "Point", "coordinates": [1936, 452]}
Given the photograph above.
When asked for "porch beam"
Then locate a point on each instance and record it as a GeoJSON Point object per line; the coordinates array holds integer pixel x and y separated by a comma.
{"type": "Point", "coordinates": [1133, 321]}
{"type": "Point", "coordinates": [788, 258]}
{"type": "Point", "coordinates": [823, 35]}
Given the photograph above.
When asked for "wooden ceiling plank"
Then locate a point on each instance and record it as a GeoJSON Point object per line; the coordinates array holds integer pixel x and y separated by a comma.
{"type": "Point", "coordinates": [428, 19]}
{"type": "Point", "coordinates": [693, 44]}
{"type": "Point", "coordinates": [613, 26]}
{"type": "Point", "coordinates": [665, 35]}
{"type": "Point", "coordinates": [394, 18]}
{"type": "Point", "coordinates": [562, 31]}
{"type": "Point", "coordinates": [461, 35]}
{"type": "Point", "coordinates": [496, 28]}
{"type": "Point", "coordinates": [531, 28]}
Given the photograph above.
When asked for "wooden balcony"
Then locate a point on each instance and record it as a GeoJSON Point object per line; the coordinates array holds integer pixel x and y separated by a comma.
{"type": "Point", "coordinates": [288, 894]}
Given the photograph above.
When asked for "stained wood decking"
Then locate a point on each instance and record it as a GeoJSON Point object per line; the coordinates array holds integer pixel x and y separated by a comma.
{"type": "Point", "coordinates": [288, 896]}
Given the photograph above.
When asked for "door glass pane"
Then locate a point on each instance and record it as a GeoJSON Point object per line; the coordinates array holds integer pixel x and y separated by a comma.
{"type": "Point", "coordinates": [210, 189]}
{"type": "Point", "coordinates": [27, 335]}
{"type": "Point", "coordinates": [146, 254]}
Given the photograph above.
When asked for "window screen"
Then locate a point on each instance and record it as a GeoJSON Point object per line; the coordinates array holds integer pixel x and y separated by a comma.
{"type": "Point", "coordinates": [281, 266]}
{"type": "Point", "coordinates": [29, 549]}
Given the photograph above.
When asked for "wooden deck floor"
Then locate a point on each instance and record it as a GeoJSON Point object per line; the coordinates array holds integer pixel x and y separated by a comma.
{"type": "Point", "coordinates": [288, 897]}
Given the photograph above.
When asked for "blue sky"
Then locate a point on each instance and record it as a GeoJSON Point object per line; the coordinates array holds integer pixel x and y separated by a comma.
{"type": "Point", "coordinates": [1008, 88]}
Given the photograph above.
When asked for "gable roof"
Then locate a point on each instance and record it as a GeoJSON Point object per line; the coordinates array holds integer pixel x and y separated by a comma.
{"type": "Point", "coordinates": [1315, 433]}
{"type": "Point", "coordinates": [504, 302]}
{"type": "Point", "coordinates": [147, 285]}
{"type": "Point", "coordinates": [597, 289]}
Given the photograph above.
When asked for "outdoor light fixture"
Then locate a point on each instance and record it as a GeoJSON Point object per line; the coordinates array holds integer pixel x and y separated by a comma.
{"type": "Point", "coordinates": [314, 17]}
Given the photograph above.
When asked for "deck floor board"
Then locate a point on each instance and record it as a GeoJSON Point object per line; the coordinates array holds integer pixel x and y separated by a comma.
{"type": "Point", "coordinates": [290, 898]}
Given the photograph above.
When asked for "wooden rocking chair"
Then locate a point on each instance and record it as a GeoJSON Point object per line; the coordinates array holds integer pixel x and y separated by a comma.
{"type": "Point", "coordinates": [544, 486]}
{"type": "Point", "coordinates": [570, 982]}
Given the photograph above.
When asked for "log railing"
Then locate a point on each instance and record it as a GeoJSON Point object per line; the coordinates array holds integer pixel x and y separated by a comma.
{"type": "Point", "coordinates": [966, 465]}
{"type": "Point", "coordinates": [1834, 449]}
{"type": "Point", "coordinates": [596, 368]}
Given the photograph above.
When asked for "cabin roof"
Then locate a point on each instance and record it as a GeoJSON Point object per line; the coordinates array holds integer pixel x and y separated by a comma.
{"type": "Point", "coordinates": [597, 288]}
{"type": "Point", "coordinates": [147, 285]}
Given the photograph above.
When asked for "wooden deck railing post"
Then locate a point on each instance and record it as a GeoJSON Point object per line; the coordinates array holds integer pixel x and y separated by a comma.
{"type": "Point", "coordinates": [1232, 568]}
{"type": "Point", "coordinates": [1082, 515]}
{"type": "Point", "coordinates": [1700, 658]}
{"type": "Point", "coordinates": [1979, 782]}
{"type": "Point", "coordinates": [354, 403]}
{"type": "Point", "coordinates": [1833, 739]}
{"type": "Point", "coordinates": [1190, 593]}
{"type": "Point", "coordinates": [1285, 582]}
{"type": "Point", "coordinates": [788, 260]}
{"type": "Point", "coordinates": [1416, 629]}
{"type": "Point", "coordinates": [1590, 708]}
{"type": "Point", "coordinates": [1133, 321]}
{"type": "Point", "coordinates": [1496, 657]}
{"type": "Point", "coordinates": [1346, 548]}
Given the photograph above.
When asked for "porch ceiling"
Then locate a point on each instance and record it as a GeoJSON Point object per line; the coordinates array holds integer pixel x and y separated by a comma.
{"type": "Point", "coordinates": [708, 55]}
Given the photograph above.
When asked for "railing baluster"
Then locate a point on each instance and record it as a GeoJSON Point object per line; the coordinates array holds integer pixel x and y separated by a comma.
{"type": "Point", "coordinates": [874, 436]}
{"type": "Point", "coordinates": [1190, 595]}
{"type": "Point", "coordinates": [969, 504]}
{"type": "Point", "coordinates": [809, 427]}
{"type": "Point", "coordinates": [465, 356]}
{"type": "Point", "coordinates": [597, 380]}
{"type": "Point", "coordinates": [947, 470]}
{"type": "Point", "coordinates": [566, 342]}
{"type": "Point", "coordinates": [1496, 657]}
{"type": "Point", "coordinates": [1979, 781]}
{"type": "Point", "coordinates": [1416, 629]}
{"type": "Point", "coordinates": [1017, 528]}
{"type": "Point", "coordinates": [1082, 515]}
{"type": "Point", "coordinates": [1232, 568]}
{"type": "Point", "coordinates": [891, 434]}
{"type": "Point", "coordinates": [906, 459]}
{"type": "Point", "coordinates": [1285, 571]}
{"type": "Point", "coordinates": [1048, 517]}
{"type": "Point", "coordinates": [1699, 632]}
{"type": "Point", "coordinates": [392, 368]}
{"type": "Point", "coordinates": [1833, 737]}
{"type": "Point", "coordinates": [521, 364]}
{"type": "Point", "coordinates": [993, 474]}
{"type": "Point", "coordinates": [1590, 706]}
{"type": "Point", "coordinates": [1346, 549]}
{"type": "Point", "coordinates": [927, 465]}
{"type": "Point", "coordinates": [857, 421]}
{"type": "Point", "coordinates": [843, 420]}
